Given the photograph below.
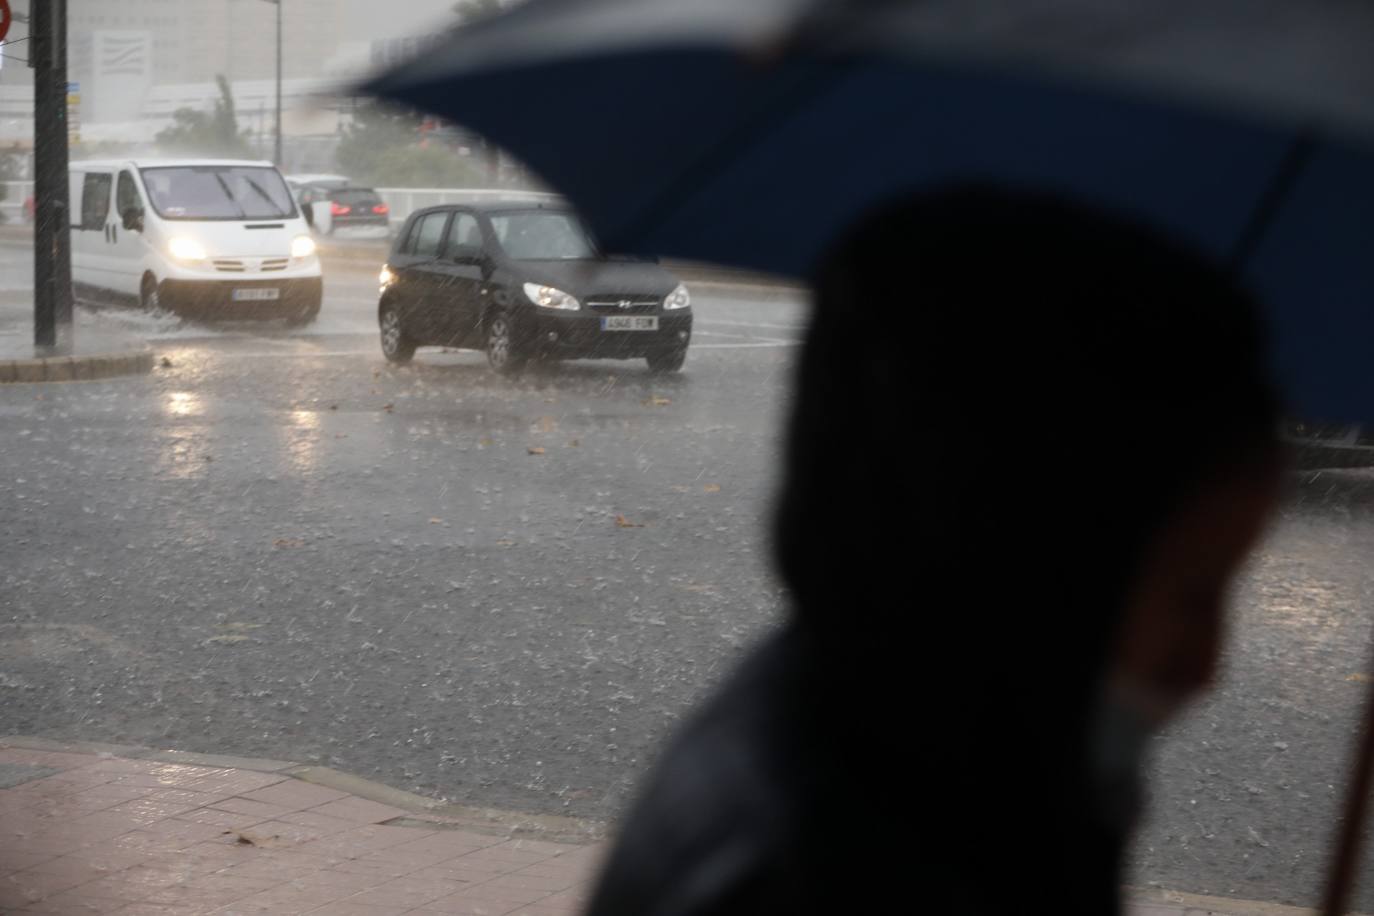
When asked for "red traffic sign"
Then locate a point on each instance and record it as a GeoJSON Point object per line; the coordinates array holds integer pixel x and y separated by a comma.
{"type": "Point", "coordinates": [5, 18]}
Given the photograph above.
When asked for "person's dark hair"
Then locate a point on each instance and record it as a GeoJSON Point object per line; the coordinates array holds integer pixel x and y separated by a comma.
{"type": "Point", "coordinates": [1002, 398]}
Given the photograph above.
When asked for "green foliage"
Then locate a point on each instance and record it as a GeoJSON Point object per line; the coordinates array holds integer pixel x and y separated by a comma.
{"type": "Point", "coordinates": [384, 147]}
{"type": "Point", "coordinates": [208, 133]}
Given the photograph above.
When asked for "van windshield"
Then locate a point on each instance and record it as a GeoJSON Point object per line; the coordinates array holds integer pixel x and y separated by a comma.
{"type": "Point", "coordinates": [218, 192]}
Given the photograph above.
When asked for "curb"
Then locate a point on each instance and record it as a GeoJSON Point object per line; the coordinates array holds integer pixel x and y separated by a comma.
{"type": "Point", "coordinates": [436, 814]}
{"type": "Point", "coordinates": [76, 368]}
{"type": "Point", "coordinates": [1158, 902]}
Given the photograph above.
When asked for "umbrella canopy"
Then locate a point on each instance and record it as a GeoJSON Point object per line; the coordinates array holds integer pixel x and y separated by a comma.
{"type": "Point", "coordinates": [754, 134]}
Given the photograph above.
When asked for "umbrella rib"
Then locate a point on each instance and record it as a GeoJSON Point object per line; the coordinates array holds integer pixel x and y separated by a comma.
{"type": "Point", "coordinates": [1297, 157]}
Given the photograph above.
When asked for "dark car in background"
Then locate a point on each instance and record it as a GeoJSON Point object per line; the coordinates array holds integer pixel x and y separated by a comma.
{"type": "Point", "coordinates": [524, 281]}
{"type": "Point", "coordinates": [345, 210]}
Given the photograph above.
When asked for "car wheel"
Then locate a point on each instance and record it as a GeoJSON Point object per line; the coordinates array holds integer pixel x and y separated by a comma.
{"type": "Point", "coordinates": [503, 353]}
{"type": "Point", "coordinates": [667, 360]}
{"type": "Point", "coordinates": [396, 346]}
{"type": "Point", "coordinates": [148, 296]}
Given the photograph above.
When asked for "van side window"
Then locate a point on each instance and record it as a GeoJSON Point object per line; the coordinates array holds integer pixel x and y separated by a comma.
{"type": "Point", "coordinates": [95, 200]}
{"type": "Point", "coordinates": [126, 195]}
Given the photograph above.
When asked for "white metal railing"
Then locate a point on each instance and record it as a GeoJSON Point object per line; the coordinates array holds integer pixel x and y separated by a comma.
{"type": "Point", "coordinates": [16, 192]}
{"type": "Point", "coordinates": [405, 201]}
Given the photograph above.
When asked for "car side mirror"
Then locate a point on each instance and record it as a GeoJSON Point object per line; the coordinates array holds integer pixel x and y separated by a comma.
{"type": "Point", "coordinates": [133, 219]}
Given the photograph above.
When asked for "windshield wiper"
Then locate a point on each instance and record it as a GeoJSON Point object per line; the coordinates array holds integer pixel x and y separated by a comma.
{"type": "Point", "coordinates": [276, 207]}
{"type": "Point", "coordinates": [229, 194]}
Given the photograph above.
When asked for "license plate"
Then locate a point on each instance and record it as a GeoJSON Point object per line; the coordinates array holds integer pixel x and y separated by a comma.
{"type": "Point", "coordinates": [257, 295]}
{"type": "Point", "coordinates": [630, 323]}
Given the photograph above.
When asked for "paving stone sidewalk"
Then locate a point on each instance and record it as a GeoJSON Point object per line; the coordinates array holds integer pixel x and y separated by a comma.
{"type": "Point", "coordinates": [141, 833]}
{"type": "Point", "coordinates": [96, 833]}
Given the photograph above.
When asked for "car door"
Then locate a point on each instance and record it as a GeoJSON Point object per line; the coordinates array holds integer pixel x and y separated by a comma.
{"type": "Point", "coordinates": [127, 246]}
{"type": "Point", "coordinates": [457, 297]}
{"type": "Point", "coordinates": [418, 275]}
{"type": "Point", "coordinates": [91, 246]}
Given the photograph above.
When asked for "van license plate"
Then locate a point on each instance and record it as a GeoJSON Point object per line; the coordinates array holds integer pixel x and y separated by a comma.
{"type": "Point", "coordinates": [257, 295]}
{"type": "Point", "coordinates": [630, 323]}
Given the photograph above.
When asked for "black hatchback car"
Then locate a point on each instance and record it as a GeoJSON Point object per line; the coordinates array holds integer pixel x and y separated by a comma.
{"type": "Point", "coordinates": [525, 281]}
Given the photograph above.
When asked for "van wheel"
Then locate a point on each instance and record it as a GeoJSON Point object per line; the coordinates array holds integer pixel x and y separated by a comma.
{"type": "Point", "coordinates": [148, 295]}
{"type": "Point", "coordinates": [503, 353]}
{"type": "Point", "coordinates": [396, 346]}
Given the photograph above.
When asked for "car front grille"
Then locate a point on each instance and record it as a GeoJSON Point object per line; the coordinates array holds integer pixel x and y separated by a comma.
{"type": "Point", "coordinates": [249, 265]}
{"type": "Point", "coordinates": [625, 305]}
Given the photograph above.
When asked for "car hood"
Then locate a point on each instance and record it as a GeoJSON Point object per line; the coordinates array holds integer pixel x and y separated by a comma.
{"type": "Point", "coordinates": [599, 278]}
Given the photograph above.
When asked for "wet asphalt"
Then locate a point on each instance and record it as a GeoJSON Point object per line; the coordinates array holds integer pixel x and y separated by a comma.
{"type": "Point", "coordinates": [505, 593]}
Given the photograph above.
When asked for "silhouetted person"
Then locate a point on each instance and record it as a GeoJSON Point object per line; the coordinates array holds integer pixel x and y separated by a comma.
{"type": "Point", "coordinates": [1031, 445]}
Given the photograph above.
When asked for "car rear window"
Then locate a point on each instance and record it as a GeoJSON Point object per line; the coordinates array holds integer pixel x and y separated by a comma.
{"type": "Point", "coordinates": [356, 197]}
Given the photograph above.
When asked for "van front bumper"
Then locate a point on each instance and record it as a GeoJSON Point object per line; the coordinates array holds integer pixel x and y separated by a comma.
{"type": "Point", "coordinates": [297, 298]}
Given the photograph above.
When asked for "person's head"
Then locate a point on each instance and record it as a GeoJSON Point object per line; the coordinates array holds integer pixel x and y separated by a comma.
{"type": "Point", "coordinates": [1031, 446]}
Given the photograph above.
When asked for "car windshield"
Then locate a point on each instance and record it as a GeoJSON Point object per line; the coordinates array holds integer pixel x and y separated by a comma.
{"type": "Point", "coordinates": [218, 192]}
{"type": "Point", "coordinates": [542, 235]}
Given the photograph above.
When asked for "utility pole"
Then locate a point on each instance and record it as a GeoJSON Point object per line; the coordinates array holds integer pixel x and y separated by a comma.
{"type": "Point", "coordinates": [277, 158]}
{"type": "Point", "coordinates": [52, 260]}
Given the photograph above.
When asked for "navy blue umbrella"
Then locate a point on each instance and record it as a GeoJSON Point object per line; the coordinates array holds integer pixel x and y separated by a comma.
{"type": "Point", "coordinates": [754, 132]}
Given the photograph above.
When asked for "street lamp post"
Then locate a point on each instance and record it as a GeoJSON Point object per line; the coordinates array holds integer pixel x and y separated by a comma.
{"type": "Point", "coordinates": [277, 145]}
{"type": "Point", "coordinates": [52, 265]}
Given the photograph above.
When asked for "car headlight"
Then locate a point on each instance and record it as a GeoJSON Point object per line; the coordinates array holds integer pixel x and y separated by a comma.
{"type": "Point", "coordinates": [550, 298]}
{"type": "Point", "coordinates": [302, 246]}
{"type": "Point", "coordinates": [678, 298]}
{"type": "Point", "coordinates": [184, 249]}
{"type": "Point", "coordinates": [386, 277]}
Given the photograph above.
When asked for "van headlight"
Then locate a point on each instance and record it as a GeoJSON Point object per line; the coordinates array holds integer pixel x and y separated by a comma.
{"type": "Point", "coordinates": [302, 246]}
{"type": "Point", "coordinates": [184, 249]}
{"type": "Point", "coordinates": [678, 298]}
{"type": "Point", "coordinates": [550, 298]}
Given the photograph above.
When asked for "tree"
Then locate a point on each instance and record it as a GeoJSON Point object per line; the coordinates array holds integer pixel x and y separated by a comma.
{"type": "Point", "coordinates": [209, 133]}
{"type": "Point", "coordinates": [385, 146]}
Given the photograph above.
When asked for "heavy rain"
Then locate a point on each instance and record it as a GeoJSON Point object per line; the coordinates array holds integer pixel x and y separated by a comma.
{"type": "Point", "coordinates": [495, 569]}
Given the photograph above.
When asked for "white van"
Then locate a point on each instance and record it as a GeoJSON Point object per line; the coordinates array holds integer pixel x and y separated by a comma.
{"type": "Point", "coordinates": [213, 238]}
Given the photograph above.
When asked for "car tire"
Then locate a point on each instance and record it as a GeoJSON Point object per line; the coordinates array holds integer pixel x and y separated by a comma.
{"type": "Point", "coordinates": [667, 360]}
{"type": "Point", "coordinates": [397, 346]}
{"type": "Point", "coordinates": [504, 354]}
{"type": "Point", "coordinates": [149, 298]}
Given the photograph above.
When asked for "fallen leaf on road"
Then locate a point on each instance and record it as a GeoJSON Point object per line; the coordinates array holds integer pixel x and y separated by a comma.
{"type": "Point", "coordinates": [711, 488]}
{"type": "Point", "coordinates": [288, 542]}
{"type": "Point", "coordinates": [679, 488]}
{"type": "Point", "coordinates": [333, 406]}
{"type": "Point", "coordinates": [252, 839]}
{"type": "Point", "coordinates": [1359, 678]}
{"type": "Point", "coordinates": [535, 450]}
{"type": "Point", "coordinates": [166, 363]}
{"type": "Point", "coordinates": [546, 424]}
{"type": "Point", "coordinates": [228, 639]}
{"type": "Point", "coordinates": [505, 542]}
{"type": "Point", "coordinates": [657, 401]}
{"type": "Point", "coordinates": [623, 522]}
{"type": "Point", "coordinates": [388, 407]}
{"type": "Point", "coordinates": [575, 443]}
{"type": "Point", "coordinates": [484, 443]}
{"type": "Point", "coordinates": [436, 521]}
{"type": "Point", "coordinates": [341, 435]}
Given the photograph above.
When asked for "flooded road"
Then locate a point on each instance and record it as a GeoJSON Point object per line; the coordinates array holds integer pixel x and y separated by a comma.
{"type": "Point", "coordinates": [506, 592]}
